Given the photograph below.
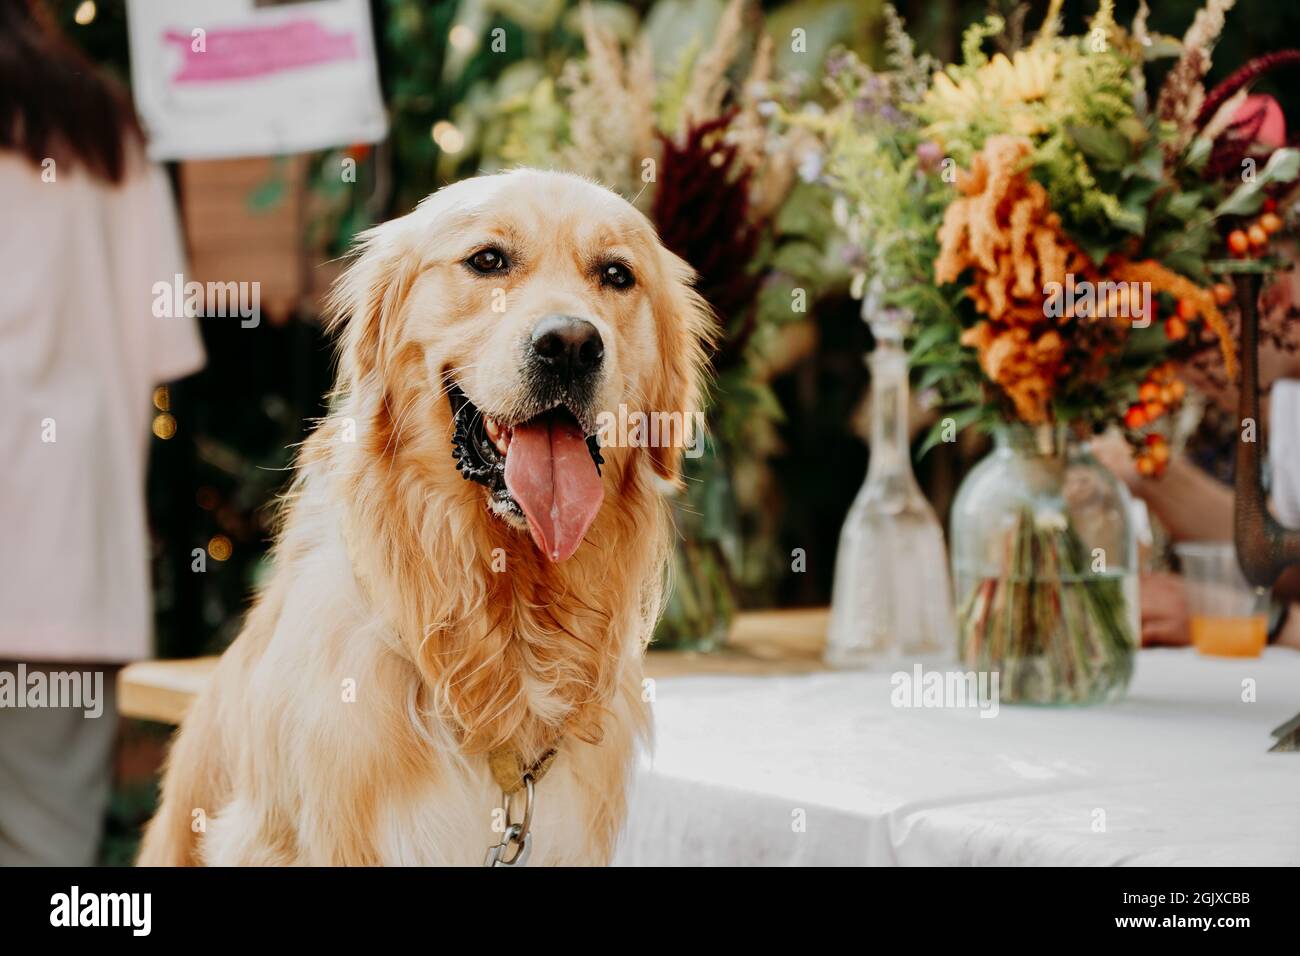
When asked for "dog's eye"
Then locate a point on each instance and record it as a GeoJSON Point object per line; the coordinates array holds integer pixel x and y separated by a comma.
{"type": "Point", "coordinates": [617, 276]}
{"type": "Point", "coordinates": [488, 260]}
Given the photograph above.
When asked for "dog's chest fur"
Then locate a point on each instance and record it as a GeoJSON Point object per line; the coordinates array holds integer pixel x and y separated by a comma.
{"type": "Point", "coordinates": [575, 819]}
{"type": "Point", "coordinates": [356, 762]}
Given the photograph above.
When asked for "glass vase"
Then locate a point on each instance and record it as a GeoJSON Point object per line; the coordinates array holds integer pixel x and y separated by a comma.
{"type": "Point", "coordinates": [1044, 560]}
{"type": "Point", "coordinates": [892, 600]}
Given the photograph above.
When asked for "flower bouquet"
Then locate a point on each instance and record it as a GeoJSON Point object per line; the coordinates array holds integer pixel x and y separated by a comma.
{"type": "Point", "coordinates": [1061, 241]}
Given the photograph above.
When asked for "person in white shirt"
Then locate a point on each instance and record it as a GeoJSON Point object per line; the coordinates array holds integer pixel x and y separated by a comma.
{"type": "Point", "coordinates": [88, 227]}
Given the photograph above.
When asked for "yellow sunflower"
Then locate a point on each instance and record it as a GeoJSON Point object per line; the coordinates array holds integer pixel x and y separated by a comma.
{"type": "Point", "coordinates": [1023, 78]}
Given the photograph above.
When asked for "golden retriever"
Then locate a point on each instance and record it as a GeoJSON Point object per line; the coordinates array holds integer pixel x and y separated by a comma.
{"type": "Point", "coordinates": [464, 578]}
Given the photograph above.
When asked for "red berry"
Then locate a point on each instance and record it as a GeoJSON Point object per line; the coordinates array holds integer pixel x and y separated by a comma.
{"type": "Point", "coordinates": [1238, 242]}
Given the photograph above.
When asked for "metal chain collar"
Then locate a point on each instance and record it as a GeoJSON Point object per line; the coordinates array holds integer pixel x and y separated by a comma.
{"type": "Point", "coordinates": [515, 842]}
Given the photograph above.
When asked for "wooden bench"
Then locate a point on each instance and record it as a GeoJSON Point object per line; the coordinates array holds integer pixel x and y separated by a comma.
{"type": "Point", "coordinates": [761, 642]}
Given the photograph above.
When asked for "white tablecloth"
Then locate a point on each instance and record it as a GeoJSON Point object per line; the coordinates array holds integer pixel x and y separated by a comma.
{"type": "Point", "coordinates": [1176, 773]}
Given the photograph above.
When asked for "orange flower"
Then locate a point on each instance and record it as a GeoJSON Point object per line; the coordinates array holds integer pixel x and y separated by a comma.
{"type": "Point", "coordinates": [1025, 367]}
{"type": "Point", "coordinates": [1002, 230]}
{"type": "Point", "coordinates": [1202, 301]}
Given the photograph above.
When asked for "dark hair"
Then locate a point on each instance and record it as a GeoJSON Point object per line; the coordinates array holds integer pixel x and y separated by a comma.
{"type": "Point", "coordinates": [53, 100]}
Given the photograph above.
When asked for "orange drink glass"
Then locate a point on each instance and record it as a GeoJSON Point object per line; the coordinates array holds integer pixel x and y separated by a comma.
{"type": "Point", "coordinates": [1229, 618]}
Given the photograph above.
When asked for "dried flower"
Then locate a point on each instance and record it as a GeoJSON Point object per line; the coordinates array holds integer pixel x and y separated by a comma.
{"type": "Point", "coordinates": [1183, 289]}
{"type": "Point", "coordinates": [1182, 96]}
{"type": "Point", "coordinates": [702, 211]}
{"type": "Point", "coordinates": [1241, 78]}
{"type": "Point", "coordinates": [709, 82]}
{"type": "Point", "coordinates": [1002, 229]}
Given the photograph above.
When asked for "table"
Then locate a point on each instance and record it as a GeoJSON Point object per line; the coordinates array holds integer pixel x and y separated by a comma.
{"type": "Point", "coordinates": [765, 757]}
{"type": "Point", "coordinates": [761, 642]}
{"type": "Point", "coordinates": [822, 769]}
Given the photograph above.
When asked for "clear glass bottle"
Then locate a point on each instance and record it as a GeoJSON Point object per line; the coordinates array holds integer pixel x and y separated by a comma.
{"type": "Point", "coordinates": [892, 599]}
{"type": "Point", "coordinates": [1044, 559]}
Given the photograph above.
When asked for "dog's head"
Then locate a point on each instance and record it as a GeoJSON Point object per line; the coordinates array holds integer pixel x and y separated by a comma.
{"type": "Point", "coordinates": [541, 315]}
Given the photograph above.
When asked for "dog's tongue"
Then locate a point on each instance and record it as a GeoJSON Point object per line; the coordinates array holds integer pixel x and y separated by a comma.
{"type": "Point", "coordinates": [550, 472]}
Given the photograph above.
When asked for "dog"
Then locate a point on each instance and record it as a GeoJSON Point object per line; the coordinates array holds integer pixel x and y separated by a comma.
{"type": "Point", "coordinates": [465, 579]}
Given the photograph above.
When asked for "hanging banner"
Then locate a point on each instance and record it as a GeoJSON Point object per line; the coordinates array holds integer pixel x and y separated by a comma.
{"type": "Point", "coordinates": [225, 78]}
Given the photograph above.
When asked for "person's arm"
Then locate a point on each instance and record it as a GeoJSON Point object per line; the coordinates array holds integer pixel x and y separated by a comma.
{"type": "Point", "coordinates": [1191, 504]}
{"type": "Point", "coordinates": [1188, 502]}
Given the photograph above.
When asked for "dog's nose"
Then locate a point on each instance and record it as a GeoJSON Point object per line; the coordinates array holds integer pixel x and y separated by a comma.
{"type": "Point", "coordinates": [568, 347]}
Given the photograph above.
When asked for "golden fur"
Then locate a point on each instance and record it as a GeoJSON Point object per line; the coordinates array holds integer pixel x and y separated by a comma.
{"type": "Point", "coordinates": [385, 589]}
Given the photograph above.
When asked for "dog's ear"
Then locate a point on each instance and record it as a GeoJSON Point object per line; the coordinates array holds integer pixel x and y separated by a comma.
{"type": "Point", "coordinates": [365, 301]}
{"type": "Point", "coordinates": [685, 330]}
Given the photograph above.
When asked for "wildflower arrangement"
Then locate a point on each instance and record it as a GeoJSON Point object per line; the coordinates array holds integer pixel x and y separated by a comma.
{"type": "Point", "coordinates": [1061, 239]}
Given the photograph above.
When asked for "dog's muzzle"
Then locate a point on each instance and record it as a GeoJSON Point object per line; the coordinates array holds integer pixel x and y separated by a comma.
{"type": "Point", "coordinates": [563, 361]}
{"type": "Point", "coordinates": [544, 467]}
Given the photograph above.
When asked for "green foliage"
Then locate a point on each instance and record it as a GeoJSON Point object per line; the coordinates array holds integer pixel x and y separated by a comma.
{"type": "Point", "coordinates": [972, 41]}
{"type": "Point", "coordinates": [530, 123]}
{"type": "Point", "coordinates": [1282, 167]}
{"type": "Point", "coordinates": [671, 93]}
